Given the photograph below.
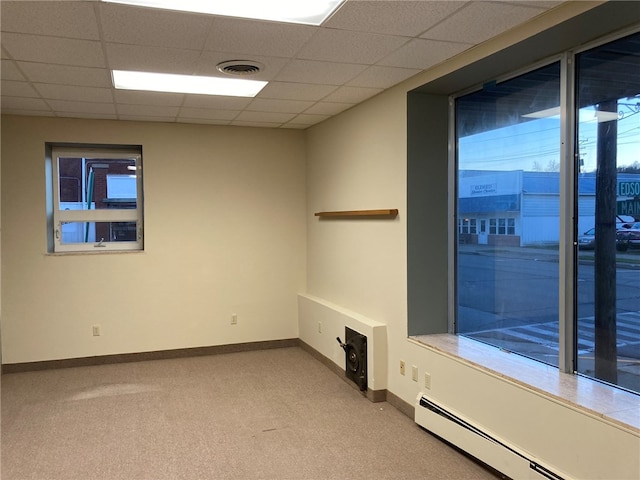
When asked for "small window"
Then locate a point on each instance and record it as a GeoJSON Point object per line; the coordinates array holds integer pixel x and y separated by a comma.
{"type": "Point", "coordinates": [502, 226]}
{"type": "Point", "coordinates": [95, 199]}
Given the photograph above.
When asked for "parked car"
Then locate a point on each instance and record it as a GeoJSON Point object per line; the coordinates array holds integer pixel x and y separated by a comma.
{"type": "Point", "coordinates": [624, 221]}
{"type": "Point", "coordinates": [629, 236]}
{"type": "Point", "coordinates": [587, 241]}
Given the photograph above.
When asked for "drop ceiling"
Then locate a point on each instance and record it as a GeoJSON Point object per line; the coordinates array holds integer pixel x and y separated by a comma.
{"type": "Point", "coordinates": [57, 57]}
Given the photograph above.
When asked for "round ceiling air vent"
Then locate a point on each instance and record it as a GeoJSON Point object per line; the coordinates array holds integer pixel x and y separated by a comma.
{"type": "Point", "coordinates": [240, 68]}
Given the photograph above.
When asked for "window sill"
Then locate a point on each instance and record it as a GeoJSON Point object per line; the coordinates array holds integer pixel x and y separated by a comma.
{"type": "Point", "coordinates": [612, 405]}
{"type": "Point", "coordinates": [92, 252]}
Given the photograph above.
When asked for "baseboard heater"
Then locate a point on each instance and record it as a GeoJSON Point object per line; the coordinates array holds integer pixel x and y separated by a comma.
{"type": "Point", "coordinates": [482, 445]}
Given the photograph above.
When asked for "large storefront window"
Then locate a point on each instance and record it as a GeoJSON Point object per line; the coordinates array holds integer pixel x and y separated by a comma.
{"type": "Point", "coordinates": [608, 171]}
{"type": "Point", "coordinates": [512, 156]}
{"type": "Point", "coordinates": [508, 152]}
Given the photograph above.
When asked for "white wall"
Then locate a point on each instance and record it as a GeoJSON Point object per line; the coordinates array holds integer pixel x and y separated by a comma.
{"type": "Point", "coordinates": [225, 233]}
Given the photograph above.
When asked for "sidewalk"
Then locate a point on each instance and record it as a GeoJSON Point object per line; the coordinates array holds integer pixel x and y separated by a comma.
{"type": "Point", "coordinates": [628, 259]}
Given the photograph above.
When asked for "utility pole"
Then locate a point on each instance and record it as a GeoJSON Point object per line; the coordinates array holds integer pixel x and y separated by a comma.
{"type": "Point", "coordinates": [606, 355]}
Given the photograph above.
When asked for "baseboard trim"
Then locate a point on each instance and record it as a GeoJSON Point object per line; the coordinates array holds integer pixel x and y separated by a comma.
{"type": "Point", "coordinates": [147, 356]}
{"type": "Point", "coordinates": [400, 405]}
{"type": "Point", "coordinates": [374, 395]}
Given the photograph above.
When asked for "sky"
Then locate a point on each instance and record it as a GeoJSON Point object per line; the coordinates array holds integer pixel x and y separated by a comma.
{"type": "Point", "coordinates": [535, 144]}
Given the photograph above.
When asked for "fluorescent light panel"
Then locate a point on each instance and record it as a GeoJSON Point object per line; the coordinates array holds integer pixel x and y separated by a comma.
{"type": "Point", "coordinates": [166, 82]}
{"type": "Point", "coordinates": [308, 12]}
{"type": "Point", "coordinates": [585, 115]}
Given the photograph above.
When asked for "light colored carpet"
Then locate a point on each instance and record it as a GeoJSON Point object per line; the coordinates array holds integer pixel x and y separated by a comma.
{"type": "Point", "coordinates": [269, 414]}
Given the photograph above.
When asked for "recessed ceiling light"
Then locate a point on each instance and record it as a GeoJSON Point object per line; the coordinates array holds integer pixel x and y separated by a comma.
{"type": "Point", "coordinates": [166, 82]}
{"type": "Point", "coordinates": [308, 12]}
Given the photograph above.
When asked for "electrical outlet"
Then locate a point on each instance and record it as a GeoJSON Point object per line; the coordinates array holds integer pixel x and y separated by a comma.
{"type": "Point", "coordinates": [319, 327]}
{"type": "Point", "coordinates": [96, 330]}
{"type": "Point", "coordinates": [414, 373]}
{"type": "Point", "coordinates": [427, 381]}
{"type": "Point", "coordinates": [402, 367]}
{"type": "Point", "coordinates": [234, 319]}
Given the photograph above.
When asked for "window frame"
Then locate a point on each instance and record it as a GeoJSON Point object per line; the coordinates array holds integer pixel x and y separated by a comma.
{"type": "Point", "coordinates": [60, 216]}
{"type": "Point", "coordinates": [568, 212]}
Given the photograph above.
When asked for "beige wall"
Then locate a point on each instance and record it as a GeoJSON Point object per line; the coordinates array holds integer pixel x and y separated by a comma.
{"type": "Point", "coordinates": [358, 161]}
{"type": "Point", "coordinates": [225, 233]}
{"type": "Point", "coordinates": [240, 246]}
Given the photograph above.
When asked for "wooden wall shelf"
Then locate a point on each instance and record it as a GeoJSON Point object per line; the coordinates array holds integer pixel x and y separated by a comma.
{"type": "Point", "coordinates": [383, 213]}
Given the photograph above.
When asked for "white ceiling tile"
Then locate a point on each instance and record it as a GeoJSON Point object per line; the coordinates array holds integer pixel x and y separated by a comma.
{"type": "Point", "coordinates": [207, 113]}
{"type": "Point", "coordinates": [63, 51]}
{"type": "Point", "coordinates": [308, 71]}
{"type": "Point", "coordinates": [151, 59]}
{"type": "Point", "coordinates": [80, 94]}
{"type": "Point", "coordinates": [349, 47]}
{"type": "Point", "coordinates": [23, 103]}
{"type": "Point", "coordinates": [59, 19]}
{"type": "Point", "coordinates": [422, 54]}
{"type": "Point", "coordinates": [281, 106]}
{"type": "Point", "coordinates": [257, 38]}
{"type": "Point", "coordinates": [269, 117]}
{"type": "Point", "coordinates": [306, 119]}
{"type": "Point", "coordinates": [148, 110]}
{"type": "Point", "coordinates": [147, 118]}
{"type": "Point", "coordinates": [93, 115]}
{"type": "Point", "coordinates": [352, 94]}
{"type": "Point", "coordinates": [133, 97]}
{"type": "Point", "coordinates": [217, 102]}
{"type": "Point", "coordinates": [479, 21]}
{"type": "Point", "coordinates": [405, 18]}
{"type": "Point", "coordinates": [382, 77]}
{"type": "Point", "coordinates": [295, 91]}
{"type": "Point", "coordinates": [11, 88]}
{"type": "Point", "coordinates": [82, 107]}
{"type": "Point", "coordinates": [544, 4]}
{"type": "Point", "coordinates": [34, 113]}
{"type": "Point", "coordinates": [66, 75]}
{"type": "Point", "coordinates": [270, 65]}
{"type": "Point", "coordinates": [66, 49]}
{"type": "Point", "coordinates": [328, 108]}
{"type": "Point", "coordinates": [202, 121]}
{"type": "Point", "coordinates": [240, 123]}
{"type": "Point", "coordinates": [148, 26]}
{"type": "Point", "coordinates": [10, 71]}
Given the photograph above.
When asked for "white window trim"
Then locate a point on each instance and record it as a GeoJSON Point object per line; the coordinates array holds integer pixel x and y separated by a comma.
{"type": "Point", "coordinates": [102, 215]}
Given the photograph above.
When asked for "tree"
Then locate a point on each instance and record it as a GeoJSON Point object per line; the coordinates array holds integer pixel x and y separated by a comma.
{"type": "Point", "coordinates": [633, 168]}
{"type": "Point", "coordinates": [553, 166]}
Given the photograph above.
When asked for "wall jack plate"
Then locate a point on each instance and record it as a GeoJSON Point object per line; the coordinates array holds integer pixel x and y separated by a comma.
{"type": "Point", "coordinates": [427, 381]}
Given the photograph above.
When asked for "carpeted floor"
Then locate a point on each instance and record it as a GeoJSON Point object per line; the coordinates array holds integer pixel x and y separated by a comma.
{"type": "Point", "coordinates": [269, 414]}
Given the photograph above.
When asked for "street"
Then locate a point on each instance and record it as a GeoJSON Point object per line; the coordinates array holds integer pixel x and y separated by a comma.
{"type": "Point", "coordinates": [509, 298]}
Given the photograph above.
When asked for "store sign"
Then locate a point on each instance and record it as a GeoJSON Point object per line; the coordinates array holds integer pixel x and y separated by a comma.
{"type": "Point", "coordinates": [484, 188]}
{"type": "Point", "coordinates": [629, 189]}
{"type": "Point", "coordinates": [629, 207]}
